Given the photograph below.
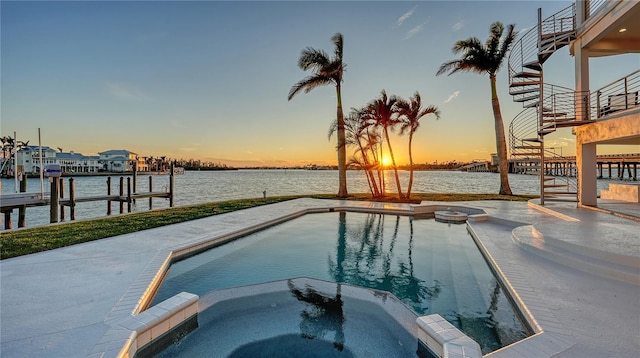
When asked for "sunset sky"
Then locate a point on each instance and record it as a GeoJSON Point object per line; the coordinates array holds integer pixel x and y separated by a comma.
{"type": "Point", "coordinates": [209, 79]}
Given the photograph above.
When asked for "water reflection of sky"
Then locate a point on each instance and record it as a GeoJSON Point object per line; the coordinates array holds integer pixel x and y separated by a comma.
{"type": "Point", "coordinates": [196, 187]}
{"type": "Point", "coordinates": [431, 267]}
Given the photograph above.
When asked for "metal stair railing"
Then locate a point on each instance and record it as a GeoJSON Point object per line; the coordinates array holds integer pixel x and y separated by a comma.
{"type": "Point", "coordinates": [524, 51]}
{"type": "Point", "coordinates": [522, 131]}
{"type": "Point", "coordinates": [557, 29]}
{"type": "Point", "coordinates": [564, 182]}
{"type": "Point", "coordinates": [546, 106]}
{"type": "Point", "coordinates": [564, 108]}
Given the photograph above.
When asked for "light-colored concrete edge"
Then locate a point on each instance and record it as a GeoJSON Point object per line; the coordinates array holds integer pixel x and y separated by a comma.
{"type": "Point", "coordinates": [605, 211]}
{"type": "Point", "coordinates": [445, 340]}
{"type": "Point", "coordinates": [549, 211]}
{"type": "Point", "coordinates": [528, 347]}
{"type": "Point", "coordinates": [617, 259]}
{"type": "Point", "coordinates": [604, 264]}
{"type": "Point", "coordinates": [117, 338]}
{"type": "Point", "coordinates": [500, 275]}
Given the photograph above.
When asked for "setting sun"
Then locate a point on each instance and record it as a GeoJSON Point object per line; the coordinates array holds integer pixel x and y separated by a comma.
{"type": "Point", "coordinates": [386, 161]}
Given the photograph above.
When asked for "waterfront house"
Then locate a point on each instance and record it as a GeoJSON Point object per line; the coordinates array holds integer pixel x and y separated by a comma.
{"type": "Point", "coordinates": [118, 160]}
{"type": "Point", "coordinates": [74, 163]}
{"type": "Point", "coordinates": [69, 162]}
{"type": "Point", "coordinates": [29, 158]}
{"type": "Point", "coordinates": [597, 116]}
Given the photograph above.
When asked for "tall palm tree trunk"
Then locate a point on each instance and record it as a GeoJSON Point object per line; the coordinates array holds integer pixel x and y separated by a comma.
{"type": "Point", "coordinates": [393, 162]}
{"type": "Point", "coordinates": [370, 178]}
{"type": "Point", "coordinates": [501, 144]}
{"type": "Point", "coordinates": [383, 187]}
{"type": "Point", "coordinates": [410, 167]}
{"type": "Point", "coordinates": [342, 150]}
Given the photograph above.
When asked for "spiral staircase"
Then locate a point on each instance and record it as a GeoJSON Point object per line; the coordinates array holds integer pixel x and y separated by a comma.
{"type": "Point", "coordinates": [547, 107]}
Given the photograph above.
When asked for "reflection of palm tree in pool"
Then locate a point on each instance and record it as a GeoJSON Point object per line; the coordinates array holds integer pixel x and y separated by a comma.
{"type": "Point", "coordinates": [325, 315]}
{"type": "Point", "coordinates": [413, 287]}
{"type": "Point", "coordinates": [368, 263]}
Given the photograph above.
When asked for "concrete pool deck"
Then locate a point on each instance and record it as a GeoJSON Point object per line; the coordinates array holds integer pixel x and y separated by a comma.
{"type": "Point", "coordinates": [67, 302]}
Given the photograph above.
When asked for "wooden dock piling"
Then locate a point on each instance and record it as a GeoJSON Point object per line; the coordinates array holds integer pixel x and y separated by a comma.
{"type": "Point", "coordinates": [57, 201]}
{"type": "Point", "coordinates": [22, 211]}
{"type": "Point", "coordinates": [53, 212]}
{"type": "Point", "coordinates": [72, 199]}
{"type": "Point", "coordinates": [121, 195]}
{"type": "Point", "coordinates": [62, 211]}
{"type": "Point", "coordinates": [109, 194]}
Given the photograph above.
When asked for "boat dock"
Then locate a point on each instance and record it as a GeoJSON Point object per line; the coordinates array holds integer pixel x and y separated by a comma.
{"type": "Point", "coordinates": [57, 202]}
{"type": "Point", "coordinates": [625, 166]}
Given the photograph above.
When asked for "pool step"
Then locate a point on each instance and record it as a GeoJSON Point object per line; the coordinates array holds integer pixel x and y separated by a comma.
{"type": "Point", "coordinates": [586, 257]}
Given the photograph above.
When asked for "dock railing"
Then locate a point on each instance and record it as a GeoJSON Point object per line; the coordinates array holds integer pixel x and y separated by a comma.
{"type": "Point", "coordinates": [57, 202]}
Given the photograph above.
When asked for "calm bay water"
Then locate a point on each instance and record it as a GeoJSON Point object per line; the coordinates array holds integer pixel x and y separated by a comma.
{"type": "Point", "coordinates": [196, 187]}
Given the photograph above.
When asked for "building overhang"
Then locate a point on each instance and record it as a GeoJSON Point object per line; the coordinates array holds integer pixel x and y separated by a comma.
{"type": "Point", "coordinates": [612, 30]}
{"type": "Point", "coordinates": [622, 129]}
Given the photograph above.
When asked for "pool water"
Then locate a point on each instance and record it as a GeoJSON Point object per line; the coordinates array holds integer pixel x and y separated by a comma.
{"type": "Point", "coordinates": [299, 318]}
{"type": "Point", "coordinates": [431, 267]}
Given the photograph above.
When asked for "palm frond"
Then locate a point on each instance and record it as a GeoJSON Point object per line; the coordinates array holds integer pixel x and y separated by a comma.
{"type": "Point", "coordinates": [454, 66]}
{"type": "Point", "coordinates": [470, 44]}
{"type": "Point", "coordinates": [338, 42]}
{"type": "Point", "coordinates": [332, 128]}
{"type": "Point", "coordinates": [495, 33]}
{"type": "Point", "coordinates": [507, 41]}
{"type": "Point", "coordinates": [311, 58]}
{"type": "Point", "coordinates": [307, 84]}
{"type": "Point", "coordinates": [411, 112]}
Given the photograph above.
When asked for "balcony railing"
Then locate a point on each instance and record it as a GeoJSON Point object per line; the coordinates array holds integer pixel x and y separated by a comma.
{"type": "Point", "coordinates": [592, 6]}
{"type": "Point", "coordinates": [620, 95]}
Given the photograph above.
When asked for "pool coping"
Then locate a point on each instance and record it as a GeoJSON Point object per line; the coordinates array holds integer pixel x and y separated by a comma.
{"type": "Point", "coordinates": [547, 337]}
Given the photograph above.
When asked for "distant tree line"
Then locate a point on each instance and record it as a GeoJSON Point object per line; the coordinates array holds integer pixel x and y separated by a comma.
{"type": "Point", "coordinates": [196, 164]}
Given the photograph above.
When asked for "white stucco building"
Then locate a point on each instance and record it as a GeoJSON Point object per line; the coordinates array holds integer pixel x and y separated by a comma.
{"type": "Point", "coordinates": [118, 160]}
{"type": "Point", "coordinates": [70, 162]}
{"type": "Point", "coordinates": [612, 28]}
{"type": "Point", "coordinates": [609, 115]}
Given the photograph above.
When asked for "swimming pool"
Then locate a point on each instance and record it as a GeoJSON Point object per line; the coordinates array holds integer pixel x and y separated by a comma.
{"type": "Point", "coordinates": [299, 318]}
{"type": "Point", "coordinates": [431, 267]}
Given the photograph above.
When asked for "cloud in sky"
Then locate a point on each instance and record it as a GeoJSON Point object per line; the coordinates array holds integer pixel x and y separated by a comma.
{"type": "Point", "coordinates": [126, 92]}
{"type": "Point", "coordinates": [452, 96]}
{"type": "Point", "coordinates": [405, 16]}
{"type": "Point", "coordinates": [414, 31]}
{"type": "Point", "coordinates": [458, 25]}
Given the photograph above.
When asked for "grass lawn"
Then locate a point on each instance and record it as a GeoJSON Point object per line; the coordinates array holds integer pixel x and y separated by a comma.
{"type": "Point", "coordinates": [31, 240]}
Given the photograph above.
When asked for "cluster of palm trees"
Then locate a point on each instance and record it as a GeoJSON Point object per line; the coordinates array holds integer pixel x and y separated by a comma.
{"type": "Point", "coordinates": [9, 146]}
{"type": "Point", "coordinates": [387, 113]}
{"type": "Point", "coordinates": [368, 127]}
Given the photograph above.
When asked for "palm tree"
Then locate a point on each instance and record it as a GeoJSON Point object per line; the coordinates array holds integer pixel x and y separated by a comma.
{"type": "Point", "coordinates": [382, 112]}
{"type": "Point", "coordinates": [327, 70]}
{"type": "Point", "coordinates": [482, 59]}
{"type": "Point", "coordinates": [411, 111]}
{"type": "Point", "coordinates": [357, 134]}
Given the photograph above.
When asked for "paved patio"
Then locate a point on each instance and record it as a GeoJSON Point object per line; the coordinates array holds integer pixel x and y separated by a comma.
{"type": "Point", "coordinates": [66, 302]}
